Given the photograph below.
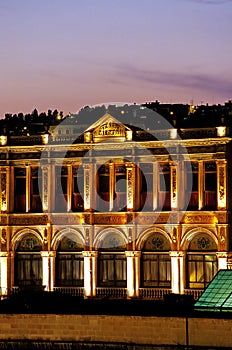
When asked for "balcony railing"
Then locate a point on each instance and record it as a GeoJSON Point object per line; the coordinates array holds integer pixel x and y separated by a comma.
{"type": "Point", "coordinates": [153, 293]}
{"type": "Point", "coordinates": [117, 293]}
{"type": "Point", "coordinates": [195, 292]}
{"type": "Point", "coordinates": [75, 291]}
{"type": "Point", "coordinates": [121, 293]}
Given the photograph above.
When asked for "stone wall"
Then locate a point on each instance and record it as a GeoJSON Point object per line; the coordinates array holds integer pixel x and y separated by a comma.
{"type": "Point", "coordinates": [121, 329]}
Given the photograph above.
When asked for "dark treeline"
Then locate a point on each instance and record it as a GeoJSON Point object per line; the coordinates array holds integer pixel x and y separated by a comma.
{"type": "Point", "coordinates": [179, 115]}
{"type": "Point", "coordinates": [30, 123]}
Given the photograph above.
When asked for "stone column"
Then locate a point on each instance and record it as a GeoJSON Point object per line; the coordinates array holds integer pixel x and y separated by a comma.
{"type": "Point", "coordinates": [4, 257]}
{"type": "Point", "coordinates": [52, 257]}
{"type": "Point", "coordinates": [28, 188]}
{"type": "Point", "coordinates": [46, 270]}
{"type": "Point", "coordinates": [133, 273]}
{"type": "Point", "coordinates": [177, 272]}
{"type": "Point", "coordinates": [130, 178]}
{"type": "Point", "coordinates": [112, 186]}
{"type": "Point", "coordinates": [48, 263]}
{"type": "Point", "coordinates": [221, 185]}
{"type": "Point", "coordinates": [200, 185]}
{"type": "Point", "coordinates": [155, 185]}
{"type": "Point", "coordinates": [222, 260]}
{"type": "Point", "coordinates": [69, 188]}
{"type": "Point", "coordinates": [90, 273]}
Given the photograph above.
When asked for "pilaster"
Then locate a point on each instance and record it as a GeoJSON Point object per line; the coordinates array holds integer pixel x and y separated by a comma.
{"type": "Point", "coordinates": [177, 268]}
{"type": "Point", "coordinates": [221, 185]}
{"type": "Point", "coordinates": [90, 273]}
{"type": "Point", "coordinates": [48, 263]}
{"type": "Point", "coordinates": [130, 177]}
{"type": "Point", "coordinates": [133, 273]}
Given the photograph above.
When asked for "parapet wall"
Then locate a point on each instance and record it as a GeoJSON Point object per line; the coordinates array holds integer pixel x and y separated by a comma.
{"type": "Point", "coordinates": [122, 329]}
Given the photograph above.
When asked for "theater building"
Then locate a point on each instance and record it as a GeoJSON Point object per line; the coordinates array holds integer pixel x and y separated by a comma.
{"type": "Point", "coordinates": [118, 210]}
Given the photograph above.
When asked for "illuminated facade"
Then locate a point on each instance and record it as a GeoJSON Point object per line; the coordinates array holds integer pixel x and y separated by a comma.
{"type": "Point", "coordinates": [102, 216]}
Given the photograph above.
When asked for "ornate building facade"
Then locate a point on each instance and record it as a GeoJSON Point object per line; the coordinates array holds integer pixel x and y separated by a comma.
{"type": "Point", "coordinates": [115, 210]}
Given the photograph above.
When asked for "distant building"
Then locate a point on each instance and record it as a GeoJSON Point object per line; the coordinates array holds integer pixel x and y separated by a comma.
{"type": "Point", "coordinates": [114, 205]}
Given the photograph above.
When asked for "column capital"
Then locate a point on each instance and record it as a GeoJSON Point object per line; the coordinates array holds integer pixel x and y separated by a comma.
{"type": "Point", "coordinates": [222, 254]}
{"type": "Point", "coordinates": [48, 254]}
{"type": "Point", "coordinates": [177, 254]}
{"type": "Point", "coordinates": [5, 254]}
{"type": "Point", "coordinates": [90, 253]}
{"type": "Point", "coordinates": [133, 254]}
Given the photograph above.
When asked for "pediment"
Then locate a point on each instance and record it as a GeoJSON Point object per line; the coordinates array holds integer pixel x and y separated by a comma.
{"type": "Point", "coordinates": [107, 128]}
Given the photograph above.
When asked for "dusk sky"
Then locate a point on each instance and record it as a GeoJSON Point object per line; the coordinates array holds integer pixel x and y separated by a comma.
{"type": "Point", "coordinates": [66, 54]}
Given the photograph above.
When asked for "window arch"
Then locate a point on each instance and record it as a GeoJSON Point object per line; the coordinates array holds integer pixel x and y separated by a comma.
{"type": "Point", "coordinates": [28, 262]}
{"type": "Point", "coordinates": [201, 261]}
{"type": "Point", "coordinates": [70, 262]}
{"type": "Point", "coordinates": [112, 261]}
{"type": "Point", "coordinates": [156, 262]}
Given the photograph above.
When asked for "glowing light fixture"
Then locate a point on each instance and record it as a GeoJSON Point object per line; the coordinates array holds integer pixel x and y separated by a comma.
{"type": "Point", "coordinates": [221, 131]}
{"type": "Point", "coordinates": [173, 134]}
{"type": "Point", "coordinates": [3, 140]}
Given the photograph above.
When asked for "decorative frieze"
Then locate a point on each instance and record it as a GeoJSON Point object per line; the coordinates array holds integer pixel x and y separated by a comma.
{"type": "Point", "coordinates": [199, 218]}
{"type": "Point", "coordinates": [110, 219]}
{"type": "Point", "coordinates": [28, 220]}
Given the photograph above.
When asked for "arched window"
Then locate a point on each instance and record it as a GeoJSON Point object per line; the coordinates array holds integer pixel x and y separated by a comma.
{"type": "Point", "coordinates": [112, 261]}
{"type": "Point", "coordinates": [156, 262]}
{"type": "Point", "coordinates": [201, 261]}
{"type": "Point", "coordinates": [28, 262]}
{"type": "Point", "coordinates": [70, 262]}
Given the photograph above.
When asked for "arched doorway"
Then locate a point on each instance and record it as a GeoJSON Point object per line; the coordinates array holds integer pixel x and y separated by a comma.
{"type": "Point", "coordinates": [70, 262]}
{"type": "Point", "coordinates": [156, 262]}
{"type": "Point", "coordinates": [201, 261]}
{"type": "Point", "coordinates": [28, 262]}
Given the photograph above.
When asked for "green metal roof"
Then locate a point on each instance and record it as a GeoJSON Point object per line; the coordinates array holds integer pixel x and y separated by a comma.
{"type": "Point", "coordinates": [218, 295]}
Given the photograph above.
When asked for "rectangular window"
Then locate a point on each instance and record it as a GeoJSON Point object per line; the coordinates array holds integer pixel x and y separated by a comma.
{"type": "Point", "coordinates": [112, 270]}
{"type": "Point", "coordinates": [36, 203]}
{"type": "Point", "coordinates": [69, 269]}
{"type": "Point", "coordinates": [20, 189]}
{"type": "Point", "coordinates": [201, 269]}
{"type": "Point", "coordinates": [77, 188]}
{"type": "Point", "coordinates": [146, 175]}
{"type": "Point", "coordinates": [164, 197]}
{"type": "Point", "coordinates": [191, 183]}
{"type": "Point", "coordinates": [61, 188]}
{"type": "Point", "coordinates": [156, 270]}
{"type": "Point", "coordinates": [210, 186]}
{"type": "Point", "coordinates": [103, 188]}
{"type": "Point", "coordinates": [120, 188]}
{"type": "Point", "coordinates": [28, 269]}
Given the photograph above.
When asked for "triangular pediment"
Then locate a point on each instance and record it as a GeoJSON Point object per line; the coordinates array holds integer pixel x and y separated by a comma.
{"type": "Point", "coordinates": [107, 128]}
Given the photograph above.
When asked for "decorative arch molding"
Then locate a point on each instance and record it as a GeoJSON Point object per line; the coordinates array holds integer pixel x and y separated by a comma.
{"type": "Point", "coordinates": [64, 233]}
{"type": "Point", "coordinates": [109, 230]}
{"type": "Point", "coordinates": [144, 236]}
{"type": "Point", "coordinates": [18, 236]}
{"type": "Point", "coordinates": [194, 232]}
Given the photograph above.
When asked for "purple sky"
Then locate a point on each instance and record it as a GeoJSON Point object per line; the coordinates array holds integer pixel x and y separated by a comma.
{"type": "Point", "coordinates": [66, 54]}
